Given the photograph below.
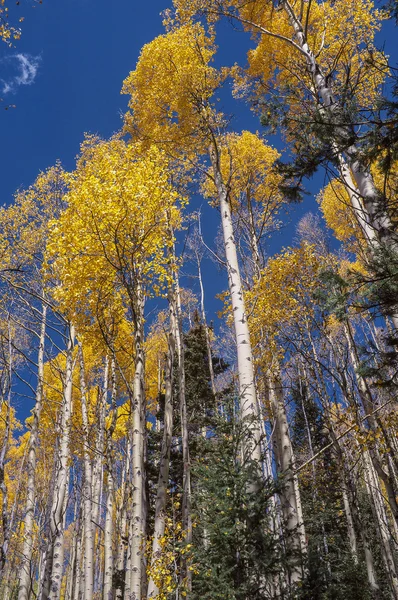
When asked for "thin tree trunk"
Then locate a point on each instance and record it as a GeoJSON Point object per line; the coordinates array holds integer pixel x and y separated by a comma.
{"type": "Point", "coordinates": [25, 581]}
{"type": "Point", "coordinates": [163, 479]}
{"type": "Point", "coordinates": [186, 478]}
{"type": "Point", "coordinates": [247, 391]}
{"type": "Point", "coordinates": [53, 568]}
{"type": "Point", "coordinates": [87, 488]}
{"type": "Point", "coordinates": [108, 530]}
{"type": "Point", "coordinates": [290, 495]}
{"type": "Point", "coordinates": [136, 541]}
{"type": "Point", "coordinates": [3, 455]}
{"type": "Point", "coordinates": [374, 491]}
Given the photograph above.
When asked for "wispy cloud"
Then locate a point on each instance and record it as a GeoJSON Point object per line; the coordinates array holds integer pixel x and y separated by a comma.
{"type": "Point", "coordinates": [26, 66]}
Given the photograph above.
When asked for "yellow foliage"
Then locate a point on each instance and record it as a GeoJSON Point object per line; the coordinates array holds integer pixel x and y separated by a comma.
{"type": "Point", "coordinates": [247, 165]}
{"type": "Point", "coordinates": [112, 236]}
{"type": "Point", "coordinates": [337, 33]}
{"type": "Point", "coordinates": [171, 89]}
{"type": "Point", "coordinates": [340, 216]}
{"type": "Point", "coordinates": [8, 32]}
{"type": "Point", "coordinates": [282, 296]}
{"type": "Point", "coordinates": [163, 569]}
{"type": "Point", "coordinates": [24, 224]}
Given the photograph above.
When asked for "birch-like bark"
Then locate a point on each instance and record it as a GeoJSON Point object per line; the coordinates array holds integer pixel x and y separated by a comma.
{"type": "Point", "coordinates": [376, 213]}
{"type": "Point", "coordinates": [247, 391]}
{"type": "Point", "coordinates": [3, 455]}
{"type": "Point", "coordinates": [290, 495]}
{"type": "Point", "coordinates": [122, 548]}
{"type": "Point", "coordinates": [77, 587]}
{"type": "Point", "coordinates": [346, 478]}
{"type": "Point", "coordinates": [134, 572]}
{"type": "Point", "coordinates": [376, 496]}
{"type": "Point", "coordinates": [25, 581]}
{"type": "Point", "coordinates": [203, 312]}
{"type": "Point", "coordinates": [97, 473]}
{"type": "Point", "coordinates": [186, 477]}
{"type": "Point", "coordinates": [110, 492]}
{"type": "Point", "coordinates": [51, 587]}
{"type": "Point", "coordinates": [367, 401]}
{"type": "Point", "coordinates": [87, 488]}
{"type": "Point", "coordinates": [163, 479]}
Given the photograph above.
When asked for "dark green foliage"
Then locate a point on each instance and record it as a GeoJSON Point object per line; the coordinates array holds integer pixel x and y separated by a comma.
{"type": "Point", "coordinates": [333, 295]}
{"type": "Point", "coordinates": [199, 395]}
{"type": "Point", "coordinates": [331, 571]}
{"type": "Point", "coordinates": [382, 281]}
{"type": "Point", "coordinates": [235, 552]}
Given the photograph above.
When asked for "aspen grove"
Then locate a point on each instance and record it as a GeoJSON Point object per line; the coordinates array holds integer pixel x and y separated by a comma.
{"type": "Point", "coordinates": [168, 455]}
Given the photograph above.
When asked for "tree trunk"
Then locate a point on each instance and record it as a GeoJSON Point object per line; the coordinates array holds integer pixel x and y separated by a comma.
{"type": "Point", "coordinates": [290, 495]}
{"type": "Point", "coordinates": [163, 480]}
{"type": "Point", "coordinates": [87, 489]}
{"type": "Point", "coordinates": [247, 391]}
{"type": "Point", "coordinates": [108, 530]}
{"type": "Point", "coordinates": [3, 455]}
{"type": "Point", "coordinates": [186, 480]}
{"type": "Point", "coordinates": [25, 582]}
{"type": "Point", "coordinates": [136, 549]}
{"type": "Point", "coordinates": [53, 568]}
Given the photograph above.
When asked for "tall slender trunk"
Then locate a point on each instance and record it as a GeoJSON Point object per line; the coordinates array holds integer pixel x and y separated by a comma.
{"type": "Point", "coordinates": [207, 335]}
{"type": "Point", "coordinates": [122, 547]}
{"type": "Point", "coordinates": [25, 581]}
{"type": "Point", "coordinates": [203, 312]}
{"type": "Point", "coordinates": [186, 459]}
{"type": "Point", "coordinates": [375, 494]}
{"type": "Point", "coordinates": [87, 488]}
{"type": "Point", "coordinates": [345, 472]}
{"type": "Point", "coordinates": [290, 494]}
{"type": "Point", "coordinates": [247, 391]}
{"type": "Point", "coordinates": [3, 455]}
{"type": "Point", "coordinates": [110, 492]}
{"type": "Point", "coordinates": [51, 587]}
{"type": "Point", "coordinates": [163, 479]}
{"type": "Point", "coordinates": [97, 471]}
{"type": "Point", "coordinates": [136, 541]}
{"type": "Point", "coordinates": [367, 400]}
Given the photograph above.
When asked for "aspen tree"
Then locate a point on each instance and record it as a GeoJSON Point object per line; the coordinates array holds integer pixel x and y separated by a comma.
{"type": "Point", "coordinates": [108, 533]}
{"type": "Point", "coordinates": [125, 235]}
{"type": "Point", "coordinates": [87, 487]}
{"type": "Point", "coordinates": [25, 579]}
{"type": "Point", "coordinates": [163, 480]}
{"type": "Point", "coordinates": [51, 586]}
{"type": "Point", "coordinates": [179, 63]}
{"type": "Point", "coordinates": [306, 43]}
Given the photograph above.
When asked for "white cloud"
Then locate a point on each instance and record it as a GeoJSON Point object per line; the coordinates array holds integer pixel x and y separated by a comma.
{"type": "Point", "coordinates": [27, 67]}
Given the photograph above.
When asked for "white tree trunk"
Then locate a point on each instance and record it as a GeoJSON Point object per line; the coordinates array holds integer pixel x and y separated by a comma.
{"type": "Point", "coordinates": [108, 530]}
{"type": "Point", "coordinates": [134, 572]}
{"type": "Point", "coordinates": [53, 566]}
{"type": "Point", "coordinates": [376, 496]}
{"type": "Point", "coordinates": [163, 479]}
{"type": "Point", "coordinates": [186, 479]}
{"type": "Point", "coordinates": [25, 581]}
{"type": "Point", "coordinates": [87, 489]}
{"type": "Point", "coordinates": [290, 496]}
{"type": "Point", "coordinates": [247, 391]}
